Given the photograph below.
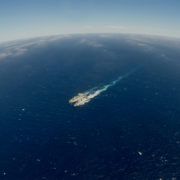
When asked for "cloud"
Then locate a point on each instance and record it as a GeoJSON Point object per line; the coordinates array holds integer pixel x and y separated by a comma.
{"type": "Point", "coordinates": [12, 51]}
{"type": "Point", "coordinates": [91, 43]}
{"type": "Point", "coordinates": [18, 48]}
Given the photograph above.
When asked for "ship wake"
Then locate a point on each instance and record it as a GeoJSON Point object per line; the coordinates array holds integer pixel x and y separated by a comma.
{"type": "Point", "coordinates": [82, 98]}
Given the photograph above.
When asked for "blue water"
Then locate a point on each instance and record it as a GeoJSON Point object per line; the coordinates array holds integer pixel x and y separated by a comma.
{"type": "Point", "coordinates": [131, 131]}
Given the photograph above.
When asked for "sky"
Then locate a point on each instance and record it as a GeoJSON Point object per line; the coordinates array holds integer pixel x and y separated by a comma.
{"type": "Point", "coordinates": [21, 19]}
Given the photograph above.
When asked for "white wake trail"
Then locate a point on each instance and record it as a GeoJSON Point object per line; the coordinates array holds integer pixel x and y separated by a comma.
{"type": "Point", "coordinates": [83, 98]}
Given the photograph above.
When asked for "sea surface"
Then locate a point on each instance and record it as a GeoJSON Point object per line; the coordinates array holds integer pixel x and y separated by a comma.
{"type": "Point", "coordinates": [130, 131]}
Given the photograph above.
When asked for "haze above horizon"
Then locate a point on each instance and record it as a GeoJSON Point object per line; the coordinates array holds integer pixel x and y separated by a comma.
{"type": "Point", "coordinates": [20, 19]}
